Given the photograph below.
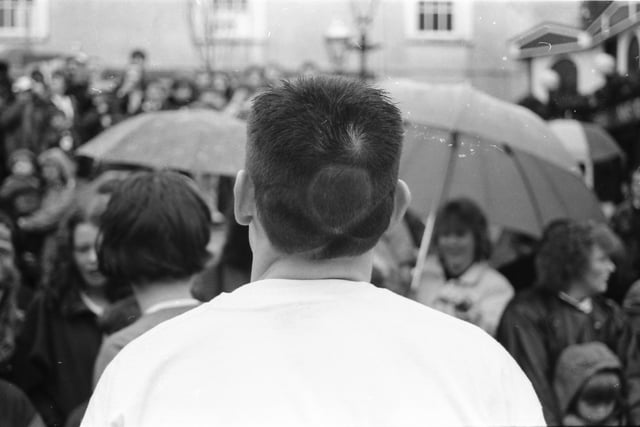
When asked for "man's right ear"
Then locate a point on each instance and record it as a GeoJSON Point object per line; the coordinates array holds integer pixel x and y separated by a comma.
{"type": "Point", "coordinates": [244, 206]}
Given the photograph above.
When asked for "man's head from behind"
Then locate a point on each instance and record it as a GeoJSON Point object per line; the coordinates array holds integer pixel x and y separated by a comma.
{"type": "Point", "coordinates": [155, 228]}
{"type": "Point", "coordinates": [323, 156]}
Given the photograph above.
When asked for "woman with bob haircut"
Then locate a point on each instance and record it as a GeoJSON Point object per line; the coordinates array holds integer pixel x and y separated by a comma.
{"type": "Point", "coordinates": [457, 279]}
{"type": "Point", "coordinates": [153, 236]}
{"type": "Point", "coordinates": [566, 307]}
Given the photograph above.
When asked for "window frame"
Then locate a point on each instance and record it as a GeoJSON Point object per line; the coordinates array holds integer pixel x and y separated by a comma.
{"type": "Point", "coordinates": [247, 17]}
{"type": "Point", "coordinates": [461, 20]}
{"type": "Point", "coordinates": [39, 16]}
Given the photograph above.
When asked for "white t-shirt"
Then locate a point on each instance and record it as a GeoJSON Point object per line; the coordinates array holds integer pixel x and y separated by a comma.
{"type": "Point", "coordinates": [313, 353]}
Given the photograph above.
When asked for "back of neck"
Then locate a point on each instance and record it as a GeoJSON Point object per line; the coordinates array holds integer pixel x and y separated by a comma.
{"type": "Point", "coordinates": [151, 294]}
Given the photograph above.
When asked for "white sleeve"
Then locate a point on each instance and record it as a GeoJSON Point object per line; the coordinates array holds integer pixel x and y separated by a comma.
{"type": "Point", "coordinates": [100, 412]}
{"type": "Point", "coordinates": [521, 404]}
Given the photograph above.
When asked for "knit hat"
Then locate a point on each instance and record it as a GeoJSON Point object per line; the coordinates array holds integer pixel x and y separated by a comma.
{"type": "Point", "coordinates": [576, 364]}
{"type": "Point", "coordinates": [21, 154]}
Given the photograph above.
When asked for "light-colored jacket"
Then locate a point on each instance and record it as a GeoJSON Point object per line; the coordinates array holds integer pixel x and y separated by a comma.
{"type": "Point", "coordinates": [479, 295]}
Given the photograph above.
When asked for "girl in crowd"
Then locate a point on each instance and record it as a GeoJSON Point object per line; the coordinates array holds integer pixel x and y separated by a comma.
{"type": "Point", "coordinates": [566, 307]}
{"type": "Point", "coordinates": [15, 408]}
{"type": "Point", "coordinates": [457, 279]}
{"type": "Point", "coordinates": [55, 353]}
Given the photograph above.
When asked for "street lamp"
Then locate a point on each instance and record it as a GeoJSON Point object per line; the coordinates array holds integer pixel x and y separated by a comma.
{"type": "Point", "coordinates": [336, 40]}
{"type": "Point", "coordinates": [364, 19]}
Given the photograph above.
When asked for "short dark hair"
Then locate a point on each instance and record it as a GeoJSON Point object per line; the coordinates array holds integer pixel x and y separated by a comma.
{"type": "Point", "coordinates": [138, 53]}
{"type": "Point", "coordinates": [323, 155]}
{"type": "Point", "coordinates": [463, 213]}
{"type": "Point", "coordinates": [564, 254]}
{"type": "Point", "coordinates": [156, 227]}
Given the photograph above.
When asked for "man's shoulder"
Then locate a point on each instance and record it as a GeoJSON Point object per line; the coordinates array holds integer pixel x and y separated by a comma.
{"type": "Point", "coordinates": [117, 340]}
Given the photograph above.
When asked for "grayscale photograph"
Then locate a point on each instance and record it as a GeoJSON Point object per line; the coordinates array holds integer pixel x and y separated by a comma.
{"type": "Point", "coordinates": [322, 213]}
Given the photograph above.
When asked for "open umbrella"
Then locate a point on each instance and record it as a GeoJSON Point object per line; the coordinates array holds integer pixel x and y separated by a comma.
{"type": "Point", "coordinates": [193, 140]}
{"type": "Point", "coordinates": [462, 142]}
{"type": "Point", "coordinates": [597, 153]}
{"type": "Point", "coordinates": [589, 138]}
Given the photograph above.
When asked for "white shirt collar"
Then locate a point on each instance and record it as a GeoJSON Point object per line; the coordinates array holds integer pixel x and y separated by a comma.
{"type": "Point", "coordinates": [174, 303]}
{"type": "Point", "coordinates": [586, 305]}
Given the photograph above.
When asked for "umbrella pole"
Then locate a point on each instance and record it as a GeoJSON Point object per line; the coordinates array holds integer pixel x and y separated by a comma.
{"type": "Point", "coordinates": [422, 252]}
{"type": "Point", "coordinates": [430, 221]}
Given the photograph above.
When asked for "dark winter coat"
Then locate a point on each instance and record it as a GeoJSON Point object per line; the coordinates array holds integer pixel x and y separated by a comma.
{"type": "Point", "coordinates": [537, 326]}
{"type": "Point", "coordinates": [55, 353]}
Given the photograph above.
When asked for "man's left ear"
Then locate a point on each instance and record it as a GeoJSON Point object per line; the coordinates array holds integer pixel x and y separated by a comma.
{"type": "Point", "coordinates": [244, 198]}
{"type": "Point", "coordinates": [400, 203]}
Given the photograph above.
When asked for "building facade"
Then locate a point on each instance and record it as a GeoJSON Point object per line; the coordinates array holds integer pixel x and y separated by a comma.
{"type": "Point", "coordinates": [438, 41]}
{"type": "Point", "coordinates": [597, 64]}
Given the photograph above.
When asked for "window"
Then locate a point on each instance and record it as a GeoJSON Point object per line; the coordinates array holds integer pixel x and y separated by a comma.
{"type": "Point", "coordinates": [568, 73]}
{"type": "Point", "coordinates": [239, 5]}
{"type": "Point", "coordinates": [633, 55]}
{"type": "Point", "coordinates": [23, 18]}
{"type": "Point", "coordinates": [226, 19]}
{"type": "Point", "coordinates": [446, 20]}
{"type": "Point", "coordinates": [435, 16]}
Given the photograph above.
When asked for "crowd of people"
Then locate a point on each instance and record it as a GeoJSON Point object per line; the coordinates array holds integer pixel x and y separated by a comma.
{"type": "Point", "coordinates": [90, 259]}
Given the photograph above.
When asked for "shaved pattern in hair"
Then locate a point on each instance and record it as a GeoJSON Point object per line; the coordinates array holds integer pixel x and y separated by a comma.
{"type": "Point", "coordinates": [323, 155]}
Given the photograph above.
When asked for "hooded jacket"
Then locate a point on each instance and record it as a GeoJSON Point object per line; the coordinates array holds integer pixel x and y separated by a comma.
{"type": "Point", "coordinates": [537, 326]}
{"type": "Point", "coordinates": [576, 364]}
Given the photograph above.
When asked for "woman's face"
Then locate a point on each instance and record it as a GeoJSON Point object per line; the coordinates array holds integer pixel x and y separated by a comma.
{"type": "Point", "coordinates": [598, 271]}
{"type": "Point", "coordinates": [84, 254]}
{"type": "Point", "coordinates": [456, 246]}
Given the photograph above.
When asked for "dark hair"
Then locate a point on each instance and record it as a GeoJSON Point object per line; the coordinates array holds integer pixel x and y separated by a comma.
{"type": "Point", "coordinates": [60, 275]}
{"type": "Point", "coordinates": [323, 155]}
{"type": "Point", "coordinates": [464, 214]}
{"type": "Point", "coordinates": [564, 254]}
{"type": "Point", "coordinates": [138, 53]}
{"type": "Point", "coordinates": [156, 227]}
{"type": "Point", "coordinates": [9, 312]}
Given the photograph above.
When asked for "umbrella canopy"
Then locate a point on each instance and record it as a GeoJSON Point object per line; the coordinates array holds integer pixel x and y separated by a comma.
{"type": "Point", "coordinates": [200, 141]}
{"type": "Point", "coordinates": [586, 139]}
{"type": "Point", "coordinates": [462, 142]}
{"type": "Point", "coordinates": [595, 151]}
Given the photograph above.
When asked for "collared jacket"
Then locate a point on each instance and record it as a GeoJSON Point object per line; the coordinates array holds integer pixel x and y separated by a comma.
{"type": "Point", "coordinates": [479, 295]}
{"type": "Point", "coordinates": [55, 353]}
{"type": "Point", "coordinates": [538, 325]}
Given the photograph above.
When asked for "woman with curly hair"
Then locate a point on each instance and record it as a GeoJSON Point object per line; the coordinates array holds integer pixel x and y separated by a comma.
{"type": "Point", "coordinates": [457, 279]}
{"type": "Point", "coordinates": [566, 307]}
{"type": "Point", "coordinates": [55, 353]}
{"type": "Point", "coordinates": [15, 407]}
